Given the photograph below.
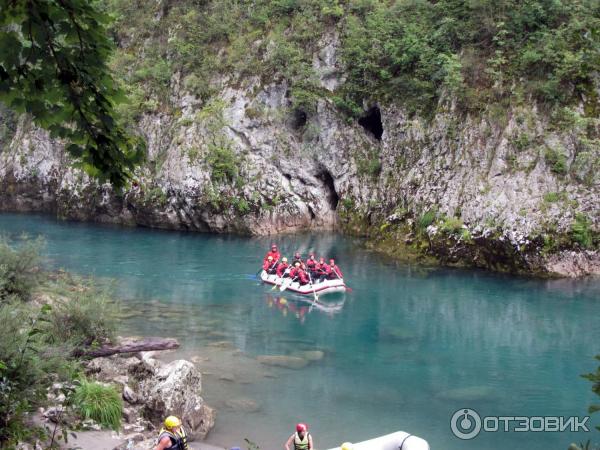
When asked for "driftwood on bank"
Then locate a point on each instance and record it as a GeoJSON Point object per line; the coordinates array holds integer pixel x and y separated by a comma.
{"type": "Point", "coordinates": [130, 345]}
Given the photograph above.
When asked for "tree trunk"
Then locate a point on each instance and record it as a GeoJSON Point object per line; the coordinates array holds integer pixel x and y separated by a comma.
{"type": "Point", "coordinates": [129, 345]}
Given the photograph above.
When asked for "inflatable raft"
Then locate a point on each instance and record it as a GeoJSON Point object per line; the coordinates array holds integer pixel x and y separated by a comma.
{"type": "Point", "coordinates": [319, 288]}
{"type": "Point", "coordinates": [399, 440]}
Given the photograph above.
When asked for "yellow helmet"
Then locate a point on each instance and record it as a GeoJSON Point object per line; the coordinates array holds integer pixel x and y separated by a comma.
{"type": "Point", "coordinates": [347, 446]}
{"type": "Point", "coordinates": [172, 422]}
{"type": "Point", "coordinates": [284, 259]}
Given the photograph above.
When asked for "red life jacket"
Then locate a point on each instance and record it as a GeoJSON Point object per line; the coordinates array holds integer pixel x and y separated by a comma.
{"type": "Point", "coordinates": [302, 276]}
{"type": "Point", "coordinates": [276, 255]}
{"type": "Point", "coordinates": [324, 269]}
{"type": "Point", "coordinates": [300, 273]}
{"type": "Point", "coordinates": [335, 269]}
{"type": "Point", "coordinates": [311, 264]}
{"type": "Point", "coordinates": [281, 268]}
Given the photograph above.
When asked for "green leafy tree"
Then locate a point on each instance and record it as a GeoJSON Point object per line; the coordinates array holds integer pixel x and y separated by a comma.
{"type": "Point", "coordinates": [53, 66]}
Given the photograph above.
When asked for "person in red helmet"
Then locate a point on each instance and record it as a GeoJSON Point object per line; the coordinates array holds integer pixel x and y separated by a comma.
{"type": "Point", "coordinates": [298, 274]}
{"type": "Point", "coordinates": [301, 439]}
{"type": "Point", "coordinates": [282, 268]}
{"type": "Point", "coordinates": [269, 265]}
{"type": "Point", "coordinates": [336, 272]}
{"type": "Point", "coordinates": [324, 270]}
{"type": "Point", "coordinates": [274, 253]}
{"type": "Point", "coordinates": [297, 258]}
{"type": "Point", "coordinates": [311, 265]}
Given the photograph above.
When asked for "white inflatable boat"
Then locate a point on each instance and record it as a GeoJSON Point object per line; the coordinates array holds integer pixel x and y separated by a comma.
{"type": "Point", "coordinates": [399, 440]}
{"type": "Point", "coordinates": [318, 288]}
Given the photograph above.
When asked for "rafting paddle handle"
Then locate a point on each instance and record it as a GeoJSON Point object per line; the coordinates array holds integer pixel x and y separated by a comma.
{"type": "Point", "coordinates": [284, 286]}
{"type": "Point", "coordinates": [313, 287]}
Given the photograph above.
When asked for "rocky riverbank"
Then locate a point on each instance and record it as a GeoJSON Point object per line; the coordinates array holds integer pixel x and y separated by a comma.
{"type": "Point", "coordinates": [414, 194]}
{"type": "Point", "coordinates": [151, 390]}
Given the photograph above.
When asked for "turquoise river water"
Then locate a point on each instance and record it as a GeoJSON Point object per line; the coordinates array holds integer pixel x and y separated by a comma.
{"type": "Point", "coordinates": [403, 351]}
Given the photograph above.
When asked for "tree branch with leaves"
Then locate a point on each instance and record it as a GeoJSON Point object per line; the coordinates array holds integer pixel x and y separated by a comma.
{"type": "Point", "coordinates": [53, 66]}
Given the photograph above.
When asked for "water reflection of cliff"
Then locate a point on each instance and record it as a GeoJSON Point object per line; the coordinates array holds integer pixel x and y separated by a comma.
{"type": "Point", "coordinates": [301, 308]}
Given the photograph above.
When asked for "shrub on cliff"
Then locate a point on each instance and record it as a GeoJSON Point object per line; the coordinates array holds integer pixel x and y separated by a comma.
{"type": "Point", "coordinates": [223, 163]}
{"type": "Point", "coordinates": [581, 231]}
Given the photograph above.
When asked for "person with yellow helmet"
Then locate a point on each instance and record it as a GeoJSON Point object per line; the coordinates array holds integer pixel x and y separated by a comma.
{"type": "Point", "coordinates": [172, 436]}
{"type": "Point", "coordinates": [301, 439]}
{"type": "Point", "coordinates": [269, 265]}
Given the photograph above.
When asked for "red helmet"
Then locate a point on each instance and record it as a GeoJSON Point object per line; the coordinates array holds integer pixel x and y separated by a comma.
{"type": "Point", "coordinates": [274, 246]}
{"type": "Point", "coordinates": [297, 255]}
{"type": "Point", "coordinates": [301, 427]}
{"type": "Point", "coordinates": [321, 259]}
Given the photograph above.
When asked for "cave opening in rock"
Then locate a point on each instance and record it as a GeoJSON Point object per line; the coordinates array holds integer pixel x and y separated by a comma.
{"type": "Point", "coordinates": [298, 119]}
{"type": "Point", "coordinates": [371, 122]}
{"type": "Point", "coordinates": [332, 196]}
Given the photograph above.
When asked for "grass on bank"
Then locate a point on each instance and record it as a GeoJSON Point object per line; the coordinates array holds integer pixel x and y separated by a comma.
{"type": "Point", "coordinates": [100, 403]}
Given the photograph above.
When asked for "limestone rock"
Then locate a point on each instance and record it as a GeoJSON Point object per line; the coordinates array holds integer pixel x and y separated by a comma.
{"type": "Point", "coordinates": [129, 414]}
{"type": "Point", "coordinates": [468, 394]}
{"type": "Point", "coordinates": [290, 362]}
{"type": "Point", "coordinates": [175, 389]}
{"type": "Point", "coordinates": [129, 395]}
{"type": "Point", "coordinates": [227, 377]}
{"type": "Point", "coordinates": [90, 425]}
{"type": "Point", "coordinates": [312, 355]}
{"type": "Point", "coordinates": [243, 404]}
{"type": "Point", "coordinates": [319, 171]}
{"type": "Point", "coordinates": [55, 414]}
{"type": "Point", "coordinates": [108, 369]}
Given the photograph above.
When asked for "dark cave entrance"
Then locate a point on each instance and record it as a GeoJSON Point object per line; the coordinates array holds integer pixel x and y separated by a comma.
{"type": "Point", "coordinates": [298, 119]}
{"type": "Point", "coordinates": [328, 183]}
{"type": "Point", "coordinates": [371, 122]}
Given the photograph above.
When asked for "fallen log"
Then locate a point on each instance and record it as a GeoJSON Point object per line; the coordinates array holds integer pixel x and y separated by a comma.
{"type": "Point", "coordinates": [129, 345]}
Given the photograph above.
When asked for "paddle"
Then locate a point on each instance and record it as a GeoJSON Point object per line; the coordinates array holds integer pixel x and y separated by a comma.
{"type": "Point", "coordinates": [313, 287]}
{"type": "Point", "coordinates": [272, 267]}
{"type": "Point", "coordinates": [285, 272]}
{"type": "Point", "coordinates": [284, 286]}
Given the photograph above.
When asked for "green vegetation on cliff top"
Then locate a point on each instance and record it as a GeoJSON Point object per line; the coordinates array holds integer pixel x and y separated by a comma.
{"type": "Point", "coordinates": [411, 51]}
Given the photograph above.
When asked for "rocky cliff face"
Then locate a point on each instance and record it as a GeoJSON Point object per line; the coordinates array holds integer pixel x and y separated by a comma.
{"type": "Point", "coordinates": [508, 189]}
